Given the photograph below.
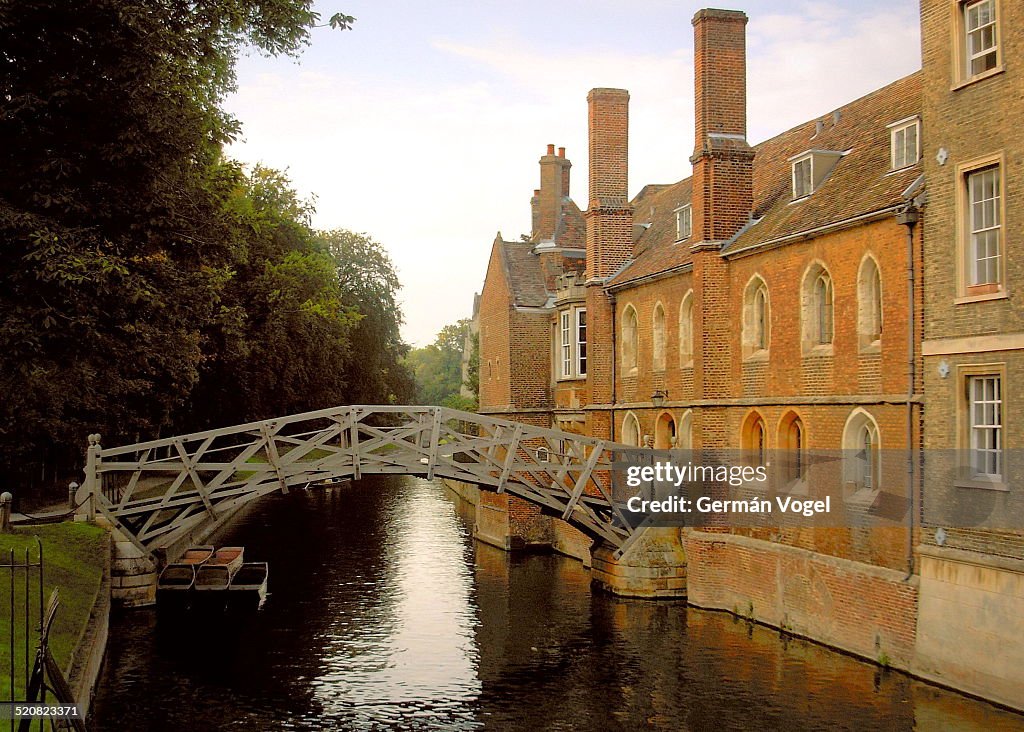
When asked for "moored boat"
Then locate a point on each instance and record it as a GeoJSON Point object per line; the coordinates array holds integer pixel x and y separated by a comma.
{"type": "Point", "coordinates": [174, 585]}
{"type": "Point", "coordinates": [228, 556]}
{"type": "Point", "coordinates": [214, 576]}
{"type": "Point", "coordinates": [248, 587]}
{"type": "Point", "coordinates": [197, 555]}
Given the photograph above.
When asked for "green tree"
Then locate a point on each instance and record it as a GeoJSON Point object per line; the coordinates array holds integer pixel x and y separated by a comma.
{"type": "Point", "coordinates": [116, 222]}
{"type": "Point", "coordinates": [281, 335]}
{"type": "Point", "coordinates": [369, 286]}
{"type": "Point", "coordinates": [438, 368]}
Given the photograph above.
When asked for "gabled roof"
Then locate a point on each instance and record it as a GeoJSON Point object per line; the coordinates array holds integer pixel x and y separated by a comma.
{"type": "Point", "coordinates": [860, 183]}
{"type": "Point", "coordinates": [523, 271]}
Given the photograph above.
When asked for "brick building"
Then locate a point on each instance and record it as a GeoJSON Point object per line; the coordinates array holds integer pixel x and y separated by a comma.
{"type": "Point", "coordinates": [972, 551]}
{"type": "Point", "coordinates": [773, 300]}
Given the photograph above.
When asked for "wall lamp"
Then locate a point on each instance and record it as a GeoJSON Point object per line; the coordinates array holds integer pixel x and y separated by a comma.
{"type": "Point", "coordinates": [658, 397]}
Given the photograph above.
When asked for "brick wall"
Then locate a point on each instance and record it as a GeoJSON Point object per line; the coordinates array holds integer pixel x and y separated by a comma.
{"type": "Point", "coordinates": [862, 609]}
{"type": "Point", "coordinates": [969, 122]}
{"type": "Point", "coordinates": [495, 334]}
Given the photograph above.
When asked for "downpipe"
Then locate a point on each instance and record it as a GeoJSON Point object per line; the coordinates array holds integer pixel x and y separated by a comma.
{"type": "Point", "coordinates": [909, 217]}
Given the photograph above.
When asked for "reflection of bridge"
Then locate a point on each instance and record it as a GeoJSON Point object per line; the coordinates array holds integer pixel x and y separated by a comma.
{"type": "Point", "coordinates": [157, 492]}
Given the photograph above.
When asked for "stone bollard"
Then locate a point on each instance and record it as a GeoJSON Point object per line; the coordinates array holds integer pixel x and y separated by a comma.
{"type": "Point", "coordinates": [5, 512]}
{"type": "Point", "coordinates": [72, 490]}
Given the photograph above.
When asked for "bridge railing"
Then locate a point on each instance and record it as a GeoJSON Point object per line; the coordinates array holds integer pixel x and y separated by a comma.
{"type": "Point", "coordinates": [157, 491]}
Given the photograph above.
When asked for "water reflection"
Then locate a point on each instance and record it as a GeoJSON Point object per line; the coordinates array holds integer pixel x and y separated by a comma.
{"type": "Point", "coordinates": [384, 614]}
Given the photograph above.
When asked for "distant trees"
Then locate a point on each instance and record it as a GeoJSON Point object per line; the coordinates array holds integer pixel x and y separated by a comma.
{"type": "Point", "coordinates": [438, 368]}
{"type": "Point", "coordinates": [148, 284]}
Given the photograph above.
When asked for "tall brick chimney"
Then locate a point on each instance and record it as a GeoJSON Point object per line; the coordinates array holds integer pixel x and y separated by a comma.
{"type": "Point", "coordinates": [609, 216]}
{"type": "Point", "coordinates": [554, 187]}
{"type": "Point", "coordinates": [722, 201]}
{"type": "Point", "coordinates": [722, 159]}
{"type": "Point", "coordinates": [609, 220]}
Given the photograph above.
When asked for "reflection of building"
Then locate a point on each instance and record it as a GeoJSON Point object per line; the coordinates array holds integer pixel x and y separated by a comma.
{"type": "Point", "coordinates": [972, 587]}
{"type": "Point", "coordinates": [763, 303]}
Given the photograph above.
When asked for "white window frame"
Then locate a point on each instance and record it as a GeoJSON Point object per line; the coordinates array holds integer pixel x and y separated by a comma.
{"type": "Point", "coordinates": [798, 193]}
{"type": "Point", "coordinates": [565, 342]}
{"type": "Point", "coordinates": [969, 33]}
{"type": "Point", "coordinates": [988, 208]}
{"type": "Point", "coordinates": [985, 426]}
{"type": "Point", "coordinates": [581, 342]}
{"type": "Point", "coordinates": [684, 222]}
{"type": "Point", "coordinates": [898, 157]}
{"type": "Point", "coordinates": [572, 355]}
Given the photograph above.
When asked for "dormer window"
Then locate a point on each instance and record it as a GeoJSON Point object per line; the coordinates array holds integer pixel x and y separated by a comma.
{"type": "Point", "coordinates": [905, 146]}
{"type": "Point", "coordinates": [802, 180]}
{"type": "Point", "coordinates": [684, 223]}
{"type": "Point", "coordinates": [810, 169]}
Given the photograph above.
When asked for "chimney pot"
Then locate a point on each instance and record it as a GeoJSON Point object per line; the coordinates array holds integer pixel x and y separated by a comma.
{"type": "Point", "coordinates": [561, 152]}
{"type": "Point", "coordinates": [551, 149]}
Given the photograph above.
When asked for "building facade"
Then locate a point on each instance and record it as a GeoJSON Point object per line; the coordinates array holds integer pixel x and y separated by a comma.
{"type": "Point", "coordinates": [972, 550]}
{"type": "Point", "coordinates": [809, 292]}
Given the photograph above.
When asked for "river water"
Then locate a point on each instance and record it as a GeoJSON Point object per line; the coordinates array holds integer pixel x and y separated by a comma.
{"type": "Point", "coordinates": [385, 614]}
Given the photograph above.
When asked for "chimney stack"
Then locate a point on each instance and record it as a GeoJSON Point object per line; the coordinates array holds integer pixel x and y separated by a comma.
{"type": "Point", "coordinates": [609, 216]}
{"type": "Point", "coordinates": [554, 187]}
{"type": "Point", "coordinates": [722, 158]}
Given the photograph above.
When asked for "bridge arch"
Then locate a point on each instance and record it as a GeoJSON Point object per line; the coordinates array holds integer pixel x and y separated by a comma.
{"type": "Point", "coordinates": [157, 493]}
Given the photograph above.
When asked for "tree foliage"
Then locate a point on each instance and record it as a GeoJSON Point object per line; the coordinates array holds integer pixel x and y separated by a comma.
{"type": "Point", "coordinates": [148, 284]}
{"type": "Point", "coordinates": [438, 368]}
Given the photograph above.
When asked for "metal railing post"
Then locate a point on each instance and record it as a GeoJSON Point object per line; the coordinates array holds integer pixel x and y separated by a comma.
{"type": "Point", "coordinates": [92, 481]}
{"type": "Point", "coordinates": [5, 512]}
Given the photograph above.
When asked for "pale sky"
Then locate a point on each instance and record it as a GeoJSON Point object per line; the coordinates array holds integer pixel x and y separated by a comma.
{"type": "Point", "coordinates": [423, 125]}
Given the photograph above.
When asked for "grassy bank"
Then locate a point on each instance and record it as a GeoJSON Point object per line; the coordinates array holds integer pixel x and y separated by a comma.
{"type": "Point", "coordinates": [73, 562]}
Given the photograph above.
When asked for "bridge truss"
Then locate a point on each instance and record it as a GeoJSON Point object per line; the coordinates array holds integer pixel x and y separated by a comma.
{"type": "Point", "coordinates": [156, 492]}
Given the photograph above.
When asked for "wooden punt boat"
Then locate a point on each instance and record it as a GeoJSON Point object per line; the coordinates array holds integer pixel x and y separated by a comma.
{"type": "Point", "coordinates": [248, 588]}
{"type": "Point", "coordinates": [197, 555]}
{"type": "Point", "coordinates": [173, 587]}
{"type": "Point", "coordinates": [214, 576]}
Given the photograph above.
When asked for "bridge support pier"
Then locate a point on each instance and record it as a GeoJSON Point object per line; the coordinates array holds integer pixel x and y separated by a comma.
{"type": "Point", "coordinates": [133, 574]}
{"type": "Point", "coordinates": [654, 566]}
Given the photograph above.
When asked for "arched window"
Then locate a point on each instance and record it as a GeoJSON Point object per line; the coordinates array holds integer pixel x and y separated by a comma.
{"type": "Point", "coordinates": [817, 303]}
{"type": "Point", "coordinates": [665, 432]}
{"type": "Point", "coordinates": [756, 317]}
{"type": "Point", "coordinates": [823, 307]}
{"type": "Point", "coordinates": [792, 439]}
{"type": "Point", "coordinates": [629, 338]}
{"type": "Point", "coordinates": [686, 330]}
{"type": "Point", "coordinates": [684, 433]}
{"type": "Point", "coordinates": [861, 445]}
{"type": "Point", "coordinates": [658, 329]}
{"type": "Point", "coordinates": [754, 437]}
{"type": "Point", "coordinates": [869, 303]}
{"type": "Point", "coordinates": [631, 430]}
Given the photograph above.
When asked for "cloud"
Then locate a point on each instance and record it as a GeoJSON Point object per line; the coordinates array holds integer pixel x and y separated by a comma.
{"type": "Point", "coordinates": [432, 167]}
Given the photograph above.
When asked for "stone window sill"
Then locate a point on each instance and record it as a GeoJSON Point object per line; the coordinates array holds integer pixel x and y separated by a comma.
{"type": "Point", "coordinates": [979, 77]}
{"type": "Point", "coordinates": [871, 349]}
{"type": "Point", "coordinates": [988, 485]}
{"type": "Point", "coordinates": [821, 349]}
{"type": "Point", "coordinates": [760, 355]}
{"type": "Point", "coordinates": [1001, 295]}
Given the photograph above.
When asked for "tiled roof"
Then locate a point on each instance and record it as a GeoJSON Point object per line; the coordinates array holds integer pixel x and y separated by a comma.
{"type": "Point", "coordinates": [572, 229]}
{"type": "Point", "coordinates": [525, 278]}
{"type": "Point", "coordinates": [860, 183]}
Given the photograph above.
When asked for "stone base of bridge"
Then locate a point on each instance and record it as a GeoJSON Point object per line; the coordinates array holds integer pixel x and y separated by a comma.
{"type": "Point", "coordinates": [654, 566]}
{"type": "Point", "coordinates": [512, 524]}
{"type": "Point", "coordinates": [133, 574]}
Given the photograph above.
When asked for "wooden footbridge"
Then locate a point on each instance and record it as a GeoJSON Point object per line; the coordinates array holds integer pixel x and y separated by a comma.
{"type": "Point", "coordinates": [158, 491]}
